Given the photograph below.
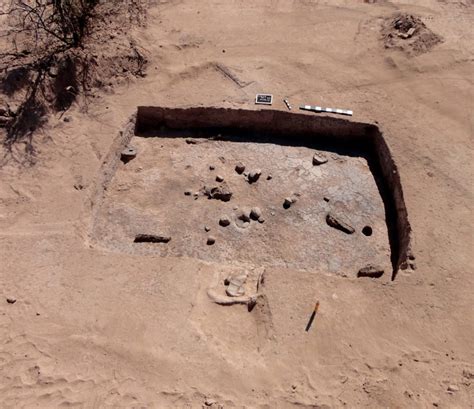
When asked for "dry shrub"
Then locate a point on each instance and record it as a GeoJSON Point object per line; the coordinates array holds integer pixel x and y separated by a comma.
{"type": "Point", "coordinates": [54, 53]}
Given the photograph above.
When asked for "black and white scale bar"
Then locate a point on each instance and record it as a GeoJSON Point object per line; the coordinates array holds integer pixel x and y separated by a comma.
{"type": "Point", "coordinates": [328, 110]}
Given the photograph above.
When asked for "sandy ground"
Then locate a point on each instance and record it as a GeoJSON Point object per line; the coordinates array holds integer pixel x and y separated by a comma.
{"type": "Point", "coordinates": [92, 328]}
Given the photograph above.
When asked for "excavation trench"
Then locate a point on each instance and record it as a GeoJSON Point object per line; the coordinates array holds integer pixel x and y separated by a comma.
{"type": "Point", "coordinates": [191, 148]}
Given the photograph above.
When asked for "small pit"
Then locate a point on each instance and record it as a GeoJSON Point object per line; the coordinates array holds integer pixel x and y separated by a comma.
{"type": "Point", "coordinates": [367, 231]}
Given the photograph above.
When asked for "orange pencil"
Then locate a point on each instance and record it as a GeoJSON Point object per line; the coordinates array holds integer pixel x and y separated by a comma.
{"type": "Point", "coordinates": [313, 314]}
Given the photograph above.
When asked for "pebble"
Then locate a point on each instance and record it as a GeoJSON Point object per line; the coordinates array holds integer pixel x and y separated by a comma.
{"type": "Point", "coordinates": [211, 240]}
{"type": "Point", "coordinates": [453, 388]}
{"type": "Point", "coordinates": [224, 221]}
{"type": "Point", "coordinates": [371, 271]}
{"type": "Point", "coordinates": [255, 213]}
{"type": "Point", "coordinates": [128, 154]}
{"type": "Point", "coordinates": [239, 168]}
{"type": "Point", "coordinates": [261, 219]}
{"type": "Point", "coordinates": [319, 159]}
{"type": "Point", "coordinates": [269, 177]}
{"type": "Point", "coordinates": [207, 228]}
{"type": "Point", "coordinates": [254, 175]}
{"type": "Point", "coordinates": [11, 300]}
{"type": "Point", "coordinates": [219, 178]}
{"type": "Point", "coordinates": [210, 402]}
{"type": "Point", "coordinates": [244, 214]}
{"type": "Point", "coordinates": [188, 193]}
{"type": "Point", "coordinates": [151, 238]}
{"type": "Point", "coordinates": [211, 167]}
{"type": "Point", "coordinates": [288, 202]}
{"type": "Point", "coordinates": [336, 222]}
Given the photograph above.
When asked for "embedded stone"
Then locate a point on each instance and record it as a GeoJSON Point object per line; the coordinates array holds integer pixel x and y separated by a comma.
{"type": "Point", "coordinates": [319, 159]}
{"type": "Point", "coordinates": [254, 175]}
{"type": "Point", "coordinates": [244, 214]}
{"type": "Point", "coordinates": [336, 222]}
{"type": "Point", "coordinates": [255, 213]}
{"type": "Point", "coordinates": [371, 271]}
{"type": "Point", "coordinates": [239, 168]}
{"type": "Point", "coordinates": [235, 286]}
{"type": "Point", "coordinates": [211, 240]}
{"type": "Point", "coordinates": [224, 221]}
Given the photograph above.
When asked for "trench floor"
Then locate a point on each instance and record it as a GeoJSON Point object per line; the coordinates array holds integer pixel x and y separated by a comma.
{"type": "Point", "coordinates": [147, 196]}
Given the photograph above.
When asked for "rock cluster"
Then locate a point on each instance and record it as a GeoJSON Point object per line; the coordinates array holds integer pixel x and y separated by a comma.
{"type": "Point", "coordinates": [221, 192]}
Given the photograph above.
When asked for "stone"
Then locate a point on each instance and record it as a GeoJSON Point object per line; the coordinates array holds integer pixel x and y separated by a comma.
{"type": "Point", "coordinates": [235, 285]}
{"type": "Point", "coordinates": [211, 167]}
{"type": "Point", "coordinates": [210, 402]}
{"type": "Point", "coordinates": [188, 192]}
{"type": "Point", "coordinates": [254, 175]}
{"type": "Point", "coordinates": [371, 271]}
{"type": "Point", "coordinates": [224, 221]}
{"type": "Point", "coordinates": [339, 224]}
{"type": "Point", "coordinates": [244, 214]}
{"type": "Point", "coordinates": [128, 154]}
{"type": "Point", "coordinates": [453, 388]}
{"type": "Point", "coordinates": [408, 34]}
{"type": "Point", "coordinates": [319, 159]}
{"type": "Point", "coordinates": [411, 31]}
{"type": "Point", "coordinates": [151, 238]}
{"type": "Point", "coordinates": [11, 300]}
{"type": "Point", "coordinates": [207, 228]}
{"type": "Point", "coordinates": [211, 240]}
{"type": "Point", "coordinates": [255, 213]}
{"type": "Point", "coordinates": [269, 177]}
{"type": "Point", "coordinates": [219, 178]}
{"type": "Point", "coordinates": [288, 202]}
{"type": "Point", "coordinates": [239, 168]}
{"type": "Point", "coordinates": [193, 141]}
{"type": "Point", "coordinates": [221, 192]}
{"type": "Point", "coordinates": [261, 219]}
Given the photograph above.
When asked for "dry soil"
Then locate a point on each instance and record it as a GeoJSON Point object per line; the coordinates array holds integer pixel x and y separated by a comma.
{"type": "Point", "coordinates": [89, 326]}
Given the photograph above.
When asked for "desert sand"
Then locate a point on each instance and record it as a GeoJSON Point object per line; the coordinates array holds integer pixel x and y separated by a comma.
{"type": "Point", "coordinates": [86, 323]}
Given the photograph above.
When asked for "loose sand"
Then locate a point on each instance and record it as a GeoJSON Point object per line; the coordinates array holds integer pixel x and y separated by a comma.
{"type": "Point", "coordinates": [97, 327]}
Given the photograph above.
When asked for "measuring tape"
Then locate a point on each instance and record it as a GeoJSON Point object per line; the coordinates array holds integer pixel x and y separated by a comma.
{"type": "Point", "coordinates": [328, 110]}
